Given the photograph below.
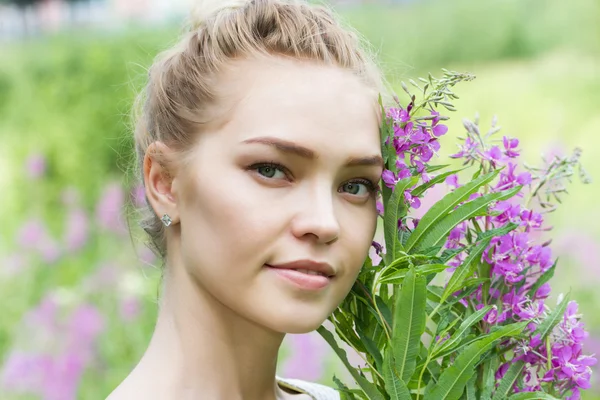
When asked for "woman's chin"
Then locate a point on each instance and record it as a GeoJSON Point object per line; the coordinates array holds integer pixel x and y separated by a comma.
{"type": "Point", "coordinates": [298, 324]}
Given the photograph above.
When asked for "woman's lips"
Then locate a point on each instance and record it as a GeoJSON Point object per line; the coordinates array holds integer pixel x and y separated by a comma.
{"type": "Point", "coordinates": [301, 279]}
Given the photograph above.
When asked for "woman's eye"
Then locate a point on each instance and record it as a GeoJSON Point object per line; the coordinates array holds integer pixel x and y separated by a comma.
{"type": "Point", "coordinates": [269, 170]}
{"type": "Point", "coordinates": [360, 188]}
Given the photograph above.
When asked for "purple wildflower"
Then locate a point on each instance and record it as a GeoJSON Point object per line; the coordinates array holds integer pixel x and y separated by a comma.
{"type": "Point", "coordinates": [469, 151]}
{"type": "Point", "coordinates": [452, 181]}
{"type": "Point", "coordinates": [437, 128]}
{"type": "Point", "coordinates": [389, 178]}
{"type": "Point", "coordinates": [508, 179]}
{"type": "Point", "coordinates": [510, 147]}
{"type": "Point", "coordinates": [379, 206]}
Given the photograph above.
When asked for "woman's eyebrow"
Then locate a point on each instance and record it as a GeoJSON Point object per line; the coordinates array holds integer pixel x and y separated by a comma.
{"type": "Point", "coordinates": [304, 152]}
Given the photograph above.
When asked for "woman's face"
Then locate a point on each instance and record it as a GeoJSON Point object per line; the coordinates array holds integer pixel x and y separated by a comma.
{"type": "Point", "coordinates": [273, 185]}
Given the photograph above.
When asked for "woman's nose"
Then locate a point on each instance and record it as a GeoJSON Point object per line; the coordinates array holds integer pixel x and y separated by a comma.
{"type": "Point", "coordinates": [317, 216]}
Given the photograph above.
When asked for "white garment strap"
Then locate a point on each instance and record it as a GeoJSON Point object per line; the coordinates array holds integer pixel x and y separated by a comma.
{"type": "Point", "coordinates": [315, 390]}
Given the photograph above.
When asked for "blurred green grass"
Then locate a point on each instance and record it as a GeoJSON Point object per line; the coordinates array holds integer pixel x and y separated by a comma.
{"type": "Point", "coordinates": [68, 96]}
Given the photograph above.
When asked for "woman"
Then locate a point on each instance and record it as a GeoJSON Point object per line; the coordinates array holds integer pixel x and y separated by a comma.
{"type": "Point", "coordinates": [259, 148]}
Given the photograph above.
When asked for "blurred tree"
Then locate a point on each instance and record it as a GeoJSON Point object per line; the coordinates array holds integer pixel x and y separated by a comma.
{"type": "Point", "coordinates": [23, 6]}
{"type": "Point", "coordinates": [72, 7]}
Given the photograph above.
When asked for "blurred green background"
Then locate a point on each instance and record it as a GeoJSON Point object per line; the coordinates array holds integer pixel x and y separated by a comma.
{"type": "Point", "coordinates": [67, 262]}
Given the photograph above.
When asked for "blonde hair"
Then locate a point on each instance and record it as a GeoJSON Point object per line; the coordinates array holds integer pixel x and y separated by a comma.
{"type": "Point", "coordinates": [182, 88]}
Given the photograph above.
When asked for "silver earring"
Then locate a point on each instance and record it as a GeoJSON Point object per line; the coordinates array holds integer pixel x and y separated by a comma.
{"type": "Point", "coordinates": [166, 220]}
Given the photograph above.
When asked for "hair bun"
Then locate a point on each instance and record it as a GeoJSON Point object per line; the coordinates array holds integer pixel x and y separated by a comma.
{"type": "Point", "coordinates": [205, 9]}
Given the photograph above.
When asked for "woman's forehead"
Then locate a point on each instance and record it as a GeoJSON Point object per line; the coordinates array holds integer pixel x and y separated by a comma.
{"type": "Point", "coordinates": [300, 101]}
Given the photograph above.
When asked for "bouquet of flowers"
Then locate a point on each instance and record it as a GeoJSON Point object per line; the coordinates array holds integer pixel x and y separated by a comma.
{"type": "Point", "coordinates": [486, 332]}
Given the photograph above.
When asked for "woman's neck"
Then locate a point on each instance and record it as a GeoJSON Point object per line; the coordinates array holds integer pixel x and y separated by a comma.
{"type": "Point", "coordinates": [202, 349]}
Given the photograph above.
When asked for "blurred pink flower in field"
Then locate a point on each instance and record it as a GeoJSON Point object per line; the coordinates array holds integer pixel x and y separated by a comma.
{"type": "Point", "coordinates": [130, 309]}
{"type": "Point", "coordinates": [76, 234]}
{"type": "Point", "coordinates": [584, 250]}
{"type": "Point", "coordinates": [36, 166]}
{"type": "Point", "coordinates": [106, 275]}
{"type": "Point", "coordinates": [103, 277]}
{"type": "Point", "coordinates": [109, 208]}
{"type": "Point", "coordinates": [138, 194]}
{"type": "Point", "coordinates": [54, 370]}
{"type": "Point", "coordinates": [147, 256]}
{"type": "Point", "coordinates": [49, 250]}
{"type": "Point", "coordinates": [31, 234]}
{"type": "Point", "coordinates": [44, 316]}
{"type": "Point", "coordinates": [306, 359]}
{"type": "Point", "coordinates": [51, 377]}
{"type": "Point", "coordinates": [592, 344]}
{"type": "Point", "coordinates": [34, 236]}
{"type": "Point", "coordinates": [62, 379]}
{"type": "Point", "coordinates": [21, 372]}
{"type": "Point", "coordinates": [84, 326]}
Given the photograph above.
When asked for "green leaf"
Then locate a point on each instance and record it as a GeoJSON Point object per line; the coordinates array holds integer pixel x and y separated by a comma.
{"type": "Point", "coordinates": [433, 168]}
{"type": "Point", "coordinates": [508, 380]}
{"type": "Point", "coordinates": [402, 262]}
{"type": "Point", "coordinates": [440, 209]}
{"type": "Point", "coordinates": [422, 270]}
{"type": "Point", "coordinates": [439, 231]}
{"type": "Point", "coordinates": [465, 270]}
{"type": "Point", "coordinates": [445, 323]}
{"type": "Point", "coordinates": [394, 386]}
{"type": "Point", "coordinates": [470, 339]}
{"type": "Point", "coordinates": [448, 254]}
{"type": "Point", "coordinates": [453, 380]}
{"type": "Point", "coordinates": [470, 392]}
{"type": "Point", "coordinates": [490, 366]}
{"type": "Point", "coordinates": [345, 393]}
{"type": "Point", "coordinates": [368, 387]}
{"type": "Point", "coordinates": [545, 277]}
{"type": "Point", "coordinates": [385, 127]}
{"type": "Point", "coordinates": [477, 173]}
{"type": "Point", "coordinates": [429, 388]}
{"type": "Point", "coordinates": [384, 310]}
{"type": "Point", "coordinates": [532, 396]}
{"type": "Point", "coordinates": [409, 324]}
{"type": "Point", "coordinates": [462, 329]}
{"type": "Point", "coordinates": [364, 304]}
{"type": "Point", "coordinates": [393, 210]}
{"type": "Point", "coordinates": [344, 323]}
{"type": "Point", "coordinates": [553, 319]}
{"type": "Point", "coordinates": [370, 346]}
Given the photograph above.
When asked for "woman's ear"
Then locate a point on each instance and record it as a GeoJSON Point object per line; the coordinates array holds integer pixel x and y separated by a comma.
{"type": "Point", "coordinates": [158, 180]}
